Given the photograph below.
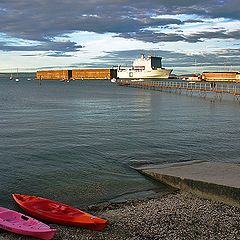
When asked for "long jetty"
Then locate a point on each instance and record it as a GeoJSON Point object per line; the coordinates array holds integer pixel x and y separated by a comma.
{"type": "Point", "coordinates": [202, 88]}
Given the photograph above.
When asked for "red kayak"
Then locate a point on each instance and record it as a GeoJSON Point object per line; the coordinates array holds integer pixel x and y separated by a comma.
{"type": "Point", "coordinates": [59, 213]}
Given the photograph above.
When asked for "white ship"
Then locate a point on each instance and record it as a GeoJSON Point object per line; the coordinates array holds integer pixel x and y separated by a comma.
{"type": "Point", "coordinates": [144, 68]}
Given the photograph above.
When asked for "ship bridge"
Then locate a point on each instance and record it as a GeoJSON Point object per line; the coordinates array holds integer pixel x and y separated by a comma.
{"type": "Point", "coordinates": [147, 62]}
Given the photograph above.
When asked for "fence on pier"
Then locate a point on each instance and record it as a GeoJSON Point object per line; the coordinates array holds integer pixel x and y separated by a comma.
{"type": "Point", "coordinates": [203, 88]}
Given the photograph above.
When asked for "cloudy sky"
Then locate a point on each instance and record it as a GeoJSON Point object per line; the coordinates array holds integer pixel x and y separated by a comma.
{"type": "Point", "coordinates": [190, 35]}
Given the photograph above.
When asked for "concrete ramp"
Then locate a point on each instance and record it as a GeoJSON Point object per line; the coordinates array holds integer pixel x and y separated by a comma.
{"type": "Point", "coordinates": [212, 180]}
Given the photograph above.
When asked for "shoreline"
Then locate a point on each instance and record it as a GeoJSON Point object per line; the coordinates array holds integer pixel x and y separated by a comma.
{"type": "Point", "coordinates": [170, 216]}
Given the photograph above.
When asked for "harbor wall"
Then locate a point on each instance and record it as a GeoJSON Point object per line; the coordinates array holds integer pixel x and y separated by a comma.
{"type": "Point", "coordinates": [53, 74]}
{"type": "Point", "coordinates": [77, 74]}
{"type": "Point", "coordinates": [220, 76]}
{"type": "Point", "coordinates": [91, 74]}
{"type": "Point", "coordinates": [238, 77]}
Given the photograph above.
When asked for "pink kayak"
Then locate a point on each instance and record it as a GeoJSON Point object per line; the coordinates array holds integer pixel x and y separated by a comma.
{"type": "Point", "coordinates": [16, 222]}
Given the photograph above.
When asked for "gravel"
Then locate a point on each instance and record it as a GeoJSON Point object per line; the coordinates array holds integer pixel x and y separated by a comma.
{"type": "Point", "coordinates": [172, 216]}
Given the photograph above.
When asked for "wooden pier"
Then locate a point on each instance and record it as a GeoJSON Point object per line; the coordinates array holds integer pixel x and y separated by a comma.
{"type": "Point", "coordinates": [202, 88]}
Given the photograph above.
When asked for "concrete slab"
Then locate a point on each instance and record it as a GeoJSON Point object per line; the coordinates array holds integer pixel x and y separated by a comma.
{"type": "Point", "coordinates": [213, 180]}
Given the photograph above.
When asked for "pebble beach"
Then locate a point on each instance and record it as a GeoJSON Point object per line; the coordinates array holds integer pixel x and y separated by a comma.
{"type": "Point", "coordinates": [171, 216]}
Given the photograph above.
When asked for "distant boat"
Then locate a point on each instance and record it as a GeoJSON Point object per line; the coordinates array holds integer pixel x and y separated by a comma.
{"type": "Point", "coordinates": [144, 68]}
{"type": "Point", "coordinates": [137, 80]}
{"type": "Point", "coordinates": [11, 77]}
{"type": "Point", "coordinates": [17, 78]}
{"type": "Point", "coordinates": [113, 80]}
{"type": "Point", "coordinates": [65, 80]}
{"type": "Point", "coordinates": [29, 79]}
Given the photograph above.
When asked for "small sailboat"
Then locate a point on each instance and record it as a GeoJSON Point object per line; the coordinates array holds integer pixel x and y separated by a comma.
{"type": "Point", "coordinates": [17, 78]}
{"type": "Point", "coordinates": [11, 77]}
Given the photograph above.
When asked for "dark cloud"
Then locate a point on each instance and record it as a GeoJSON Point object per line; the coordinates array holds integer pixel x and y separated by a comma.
{"type": "Point", "coordinates": [220, 34]}
{"type": "Point", "coordinates": [154, 37]}
{"type": "Point", "coordinates": [38, 20]}
{"type": "Point", "coordinates": [151, 36]}
{"type": "Point", "coordinates": [226, 9]}
{"type": "Point", "coordinates": [58, 47]}
{"type": "Point", "coordinates": [205, 8]}
{"type": "Point", "coordinates": [192, 21]}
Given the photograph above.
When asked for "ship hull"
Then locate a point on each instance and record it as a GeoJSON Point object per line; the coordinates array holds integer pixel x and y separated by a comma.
{"type": "Point", "coordinates": [145, 74]}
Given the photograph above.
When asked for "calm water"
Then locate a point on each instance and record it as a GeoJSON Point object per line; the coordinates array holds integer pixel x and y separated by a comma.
{"type": "Point", "coordinates": [75, 142]}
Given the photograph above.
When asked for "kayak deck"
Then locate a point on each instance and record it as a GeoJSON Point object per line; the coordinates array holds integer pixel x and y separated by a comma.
{"type": "Point", "coordinates": [58, 212]}
{"type": "Point", "coordinates": [21, 224]}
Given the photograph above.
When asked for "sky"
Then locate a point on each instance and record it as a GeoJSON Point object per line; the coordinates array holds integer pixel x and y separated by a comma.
{"type": "Point", "coordinates": [190, 35]}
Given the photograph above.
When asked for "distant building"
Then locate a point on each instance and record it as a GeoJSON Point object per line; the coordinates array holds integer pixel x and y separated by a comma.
{"type": "Point", "coordinates": [77, 74]}
{"type": "Point", "coordinates": [238, 77]}
{"type": "Point", "coordinates": [221, 76]}
{"type": "Point", "coordinates": [193, 77]}
{"type": "Point", "coordinates": [53, 74]}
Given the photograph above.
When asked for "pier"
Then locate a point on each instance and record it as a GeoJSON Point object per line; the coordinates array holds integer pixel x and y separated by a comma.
{"type": "Point", "coordinates": [201, 88]}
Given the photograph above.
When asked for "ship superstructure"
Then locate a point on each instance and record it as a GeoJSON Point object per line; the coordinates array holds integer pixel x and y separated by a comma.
{"type": "Point", "coordinates": [144, 68]}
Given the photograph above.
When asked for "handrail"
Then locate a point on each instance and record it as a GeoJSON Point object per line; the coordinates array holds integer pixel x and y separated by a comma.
{"type": "Point", "coordinates": [226, 88]}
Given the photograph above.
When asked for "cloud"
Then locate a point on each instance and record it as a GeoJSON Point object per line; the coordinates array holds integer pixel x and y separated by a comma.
{"type": "Point", "coordinates": [226, 9]}
{"type": "Point", "coordinates": [220, 34]}
{"type": "Point", "coordinates": [58, 47]}
{"type": "Point", "coordinates": [39, 20]}
{"type": "Point", "coordinates": [193, 21]}
{"type": "Point", "coordinates": [47, 19]}
{"type": "Point", "coordinates": [156, 37]}
{"type": "Point", "coordinates": [151, 36]}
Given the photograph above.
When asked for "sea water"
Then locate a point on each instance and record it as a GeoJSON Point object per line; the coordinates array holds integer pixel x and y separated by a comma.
{"type": "Point", "coordinates": [75, 142]}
